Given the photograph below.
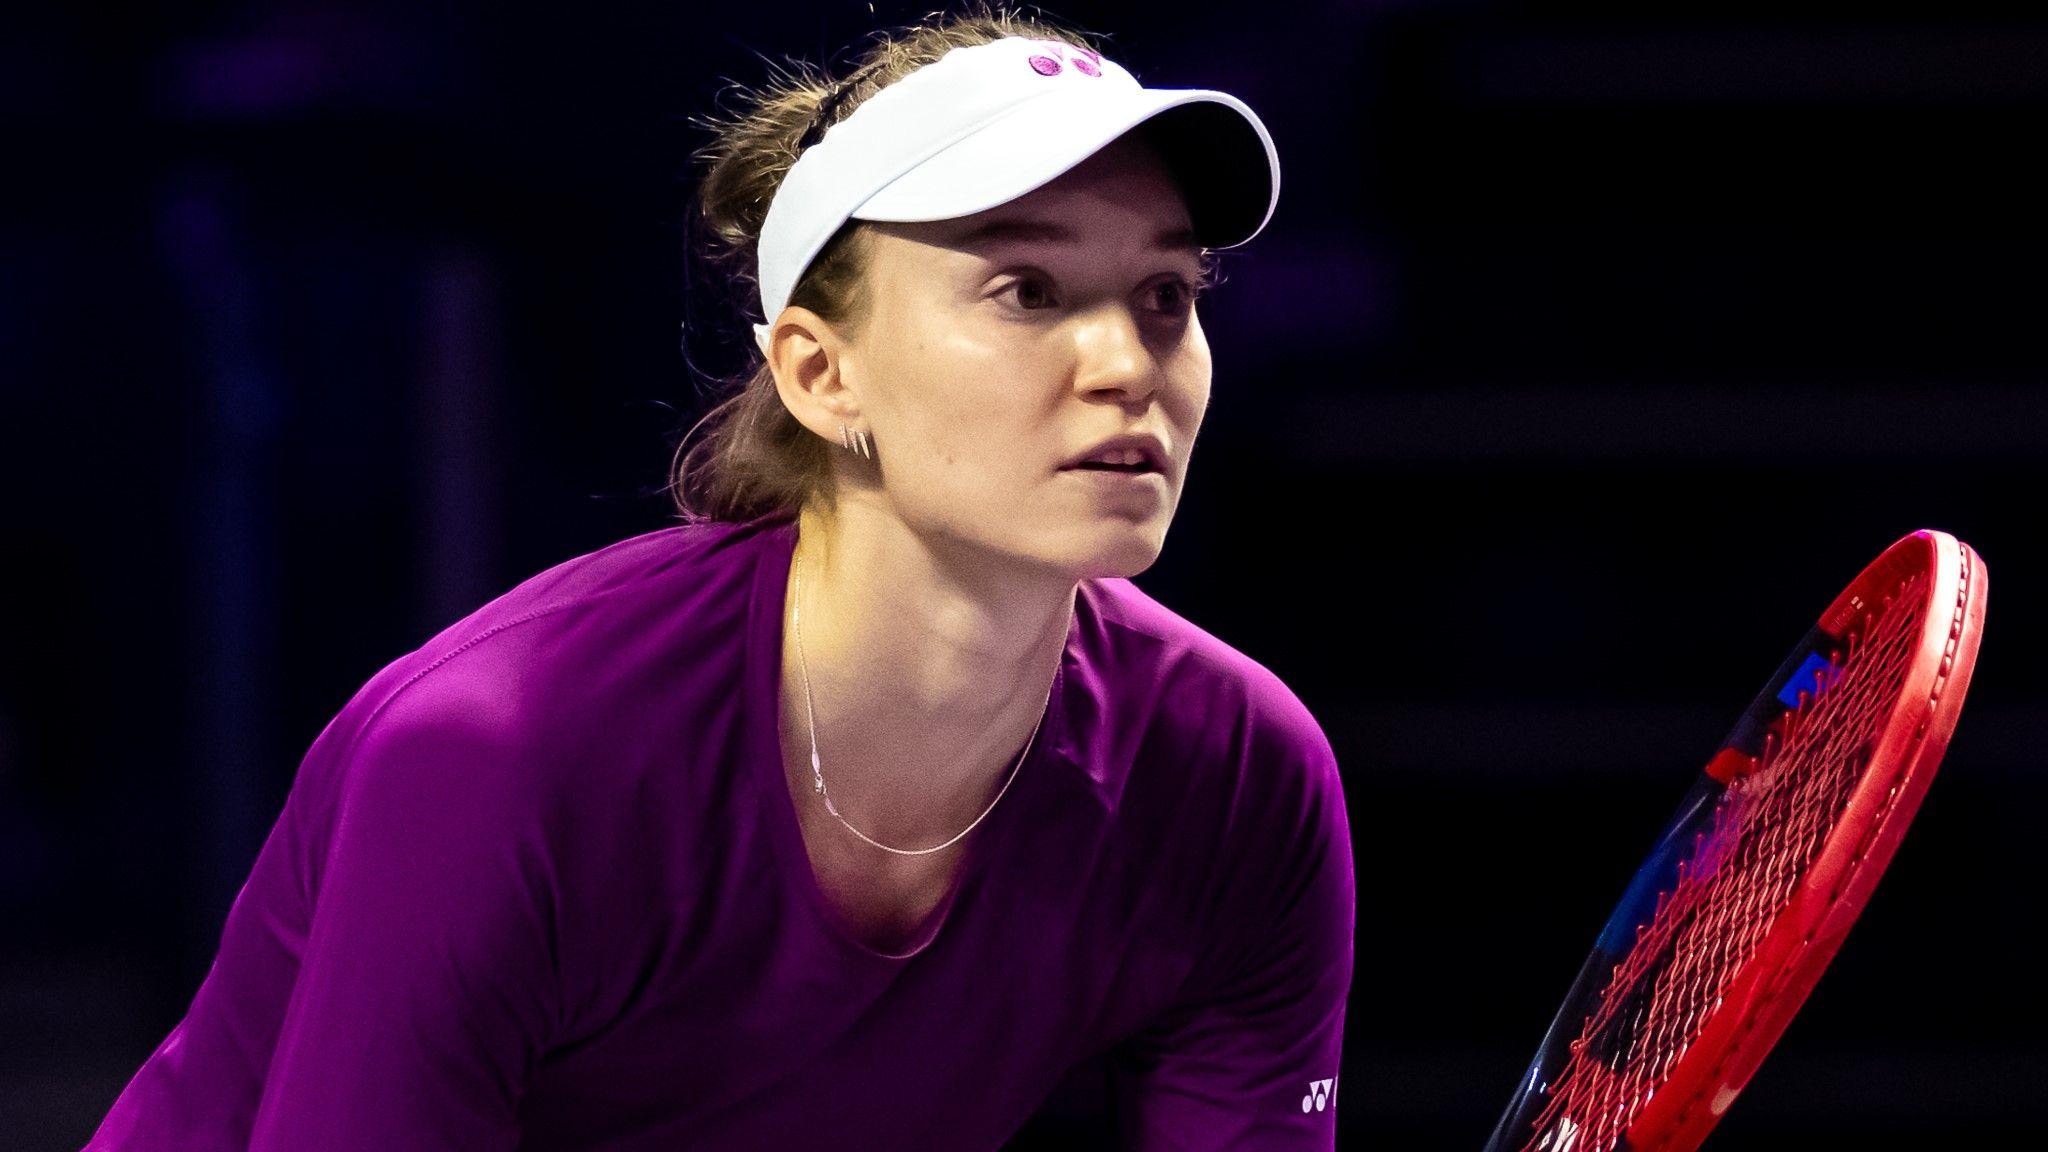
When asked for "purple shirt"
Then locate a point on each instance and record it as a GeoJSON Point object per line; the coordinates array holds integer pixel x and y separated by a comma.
{"type": "Point", "coordinates": [540, 885]}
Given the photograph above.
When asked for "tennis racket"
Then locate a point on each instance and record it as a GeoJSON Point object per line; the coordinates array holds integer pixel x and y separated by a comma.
{"type": "Point", "coordinates": [1756, 880]}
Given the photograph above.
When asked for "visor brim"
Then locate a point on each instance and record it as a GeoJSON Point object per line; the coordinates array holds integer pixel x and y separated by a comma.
{"type": "Point", "coordinates": [1217, 149]}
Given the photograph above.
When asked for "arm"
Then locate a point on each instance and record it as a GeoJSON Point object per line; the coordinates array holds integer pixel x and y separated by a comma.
{"type": "Point", "coordinates": [1247, 1056]}
{"type": "Point", "coordinates": [426, 991]}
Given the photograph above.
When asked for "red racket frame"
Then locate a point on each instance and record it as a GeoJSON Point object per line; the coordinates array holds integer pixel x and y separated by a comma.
{"type": "Point", "coordinates": [1760, 999]}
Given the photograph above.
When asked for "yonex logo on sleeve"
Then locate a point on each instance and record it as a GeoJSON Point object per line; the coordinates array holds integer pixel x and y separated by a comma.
{"type": "Point", "coordinates": [1321, 1094]}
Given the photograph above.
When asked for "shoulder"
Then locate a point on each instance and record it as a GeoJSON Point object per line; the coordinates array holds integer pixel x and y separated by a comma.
{"type": "Point", "coordinates": [680, 570]}
{"type": "Point", "coordinates": [1235, 788]}
{"type": "Point", "coordinates": [521, 683]}
{"type": "Point", "coordinates": [1201, 681]}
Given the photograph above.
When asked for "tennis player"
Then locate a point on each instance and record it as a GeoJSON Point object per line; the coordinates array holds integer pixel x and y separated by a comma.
{"type": "Point", "coordinates": [857, 809]}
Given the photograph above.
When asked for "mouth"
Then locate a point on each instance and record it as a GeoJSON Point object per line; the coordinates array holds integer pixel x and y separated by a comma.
{"type": "Point", "coordinates": [1132, 454]}
{"type": "Point", "coordinates": [1139, 468]}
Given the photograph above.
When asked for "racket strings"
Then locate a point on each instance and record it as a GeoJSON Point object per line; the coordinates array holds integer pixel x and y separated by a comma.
{"type": "Point", "coordinates": [1745, 867]}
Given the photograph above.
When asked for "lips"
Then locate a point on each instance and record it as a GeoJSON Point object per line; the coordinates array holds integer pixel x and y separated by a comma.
{"type": "Point", "coordinates": [1151, 452]}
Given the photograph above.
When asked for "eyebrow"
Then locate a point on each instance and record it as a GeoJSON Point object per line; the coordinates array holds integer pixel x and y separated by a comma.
{"type": "Point", "coordinates": [1016, 230]}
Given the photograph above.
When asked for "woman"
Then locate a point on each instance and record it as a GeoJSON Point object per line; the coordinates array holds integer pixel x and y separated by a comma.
{"type": "Point", "coordinates": [864, 807]}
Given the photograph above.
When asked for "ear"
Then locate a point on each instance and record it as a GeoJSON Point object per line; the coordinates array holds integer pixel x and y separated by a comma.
{"type": "Point", "coordinates": [809, 360]}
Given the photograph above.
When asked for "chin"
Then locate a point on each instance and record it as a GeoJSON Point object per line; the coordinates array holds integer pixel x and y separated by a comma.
{"type": "Point", "coordinates": [1124, 552]}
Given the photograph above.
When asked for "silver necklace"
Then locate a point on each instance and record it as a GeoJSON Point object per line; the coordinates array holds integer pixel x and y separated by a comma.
{"type": "Point", "coordinates": [818, 775]}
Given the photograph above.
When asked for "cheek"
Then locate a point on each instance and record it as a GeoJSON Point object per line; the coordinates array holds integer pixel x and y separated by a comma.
{"type": "Point", "coordinates": [974, 413]}
{"type": "Point", "coordinates": [943, 428]}
{"type": "Point", "coordinates": [976, 435]}
{"type": "Point", "coordinates": [1188, 398]}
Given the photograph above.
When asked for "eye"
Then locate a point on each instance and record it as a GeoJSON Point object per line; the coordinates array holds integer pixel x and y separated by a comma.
{"type": "Point", "coordinates": [1173, 298]}
{"type": "Point", "coordinates": [1176, 296]}
{"type": "Point", "coordinates": [1032, 287]}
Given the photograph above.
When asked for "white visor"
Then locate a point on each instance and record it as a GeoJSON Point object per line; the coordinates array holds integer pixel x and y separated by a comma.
{"type": "Point", "coordinates": [985, 124]}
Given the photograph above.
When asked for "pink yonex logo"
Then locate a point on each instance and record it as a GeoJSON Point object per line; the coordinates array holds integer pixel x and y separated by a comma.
{"type": "Point", "coordinates": [1085, 61]}
{"type": "Point", "coordinates": [1321, 1094]}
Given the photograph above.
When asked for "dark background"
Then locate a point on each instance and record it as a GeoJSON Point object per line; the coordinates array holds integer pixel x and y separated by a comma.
{"type": "Point", "coordinates": [1587, 356]}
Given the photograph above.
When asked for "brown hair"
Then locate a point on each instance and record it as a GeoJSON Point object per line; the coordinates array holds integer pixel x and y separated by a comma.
{"type": "Point", "coordinates": [755, 458]}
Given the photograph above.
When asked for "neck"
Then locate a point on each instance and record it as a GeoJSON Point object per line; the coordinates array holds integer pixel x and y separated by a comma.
{"type": "Point", "coordinates": [928, 664]}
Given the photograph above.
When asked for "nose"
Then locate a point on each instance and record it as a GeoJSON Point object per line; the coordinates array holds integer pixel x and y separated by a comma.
{"type": "Point", "coordinates": [1110, 350]}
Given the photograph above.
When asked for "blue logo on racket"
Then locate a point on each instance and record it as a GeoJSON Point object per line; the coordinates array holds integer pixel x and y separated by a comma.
{"type": "Point", "coordinates": [1806, 679]}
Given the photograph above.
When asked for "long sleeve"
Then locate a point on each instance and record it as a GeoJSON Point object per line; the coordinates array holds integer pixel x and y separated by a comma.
{"type": "Point", "coordinates": [428, 988]}
{"type": "Point", "coordinates": [1248, 1055]}
{"type": "Point", "coordinates": [197, 1091]}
